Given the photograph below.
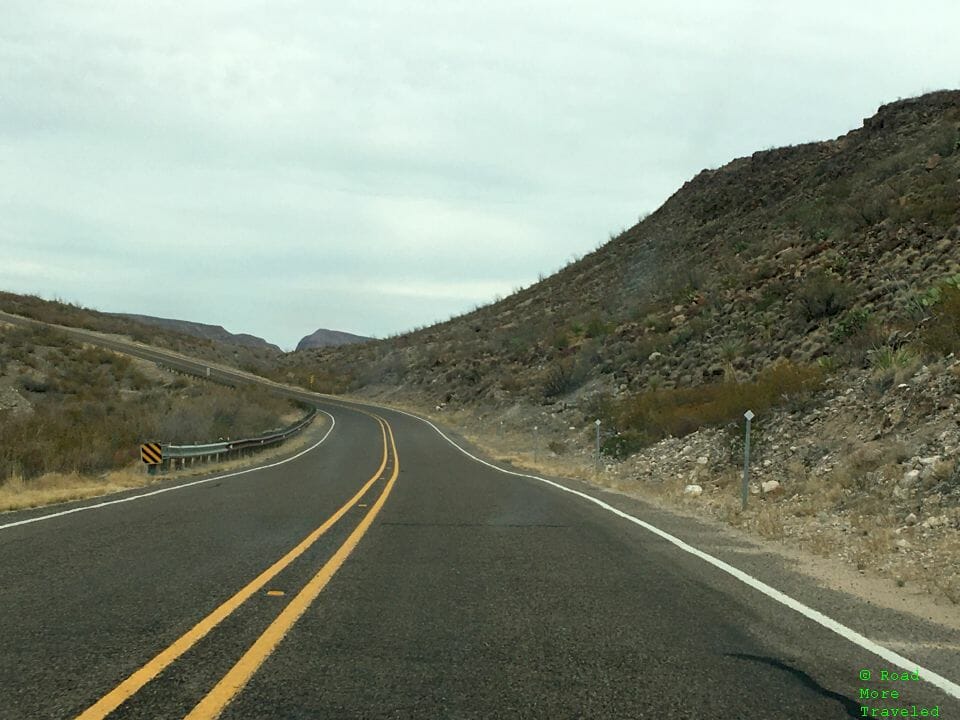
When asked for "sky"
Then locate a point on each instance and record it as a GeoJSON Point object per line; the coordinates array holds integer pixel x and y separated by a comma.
{"type": "Point", "coordinates": [275, 167]}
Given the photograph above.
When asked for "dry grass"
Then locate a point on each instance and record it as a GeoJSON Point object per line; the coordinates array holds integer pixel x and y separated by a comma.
{"type": "Point", "coordinates": [91, 408]}
{"type": "Point", "coordinates": [660, 413]}
{"type": "Point", "coordinates": [942, 335]}
{"type": "Point", "coordinates": [768, 522]}
{"type": "Point", "coordinates": [819, 543]}
{"type": "Point", "coordinates": [55, 488]}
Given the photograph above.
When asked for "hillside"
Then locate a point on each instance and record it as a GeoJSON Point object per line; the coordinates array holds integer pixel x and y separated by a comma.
{"type": "Point", "coordinates": [216, 333]}
{"type": "Point", "coordinates": [72, 416]}
{"type": "Point", "coordinates": [817, 285]}
{"type": "Point", "coordinates": [329, 338]}
{"type": "Point", "coordinates": [802, 253]}
{"type": "Point", "coordinates": [195, 339]}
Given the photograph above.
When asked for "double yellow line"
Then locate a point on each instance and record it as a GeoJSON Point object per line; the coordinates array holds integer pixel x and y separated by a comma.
{"type": "Point", "coordinates": [233, 682]}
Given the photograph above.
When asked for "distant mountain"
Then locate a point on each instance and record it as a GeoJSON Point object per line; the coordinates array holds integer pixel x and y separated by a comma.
{"type": "Point", "coordinates": [329, 338]}
{"type": "Point", "coordinates": [216, 333]}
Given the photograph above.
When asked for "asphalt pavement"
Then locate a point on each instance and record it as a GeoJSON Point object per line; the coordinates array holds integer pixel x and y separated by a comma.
{"type": "Point", "coordinates": [386, 574]}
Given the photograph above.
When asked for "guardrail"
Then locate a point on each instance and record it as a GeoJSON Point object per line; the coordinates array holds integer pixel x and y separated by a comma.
{"type": "Point", "coordinates": [180, 456]}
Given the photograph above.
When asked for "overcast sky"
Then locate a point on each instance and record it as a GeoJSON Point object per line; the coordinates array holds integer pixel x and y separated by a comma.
{"type": "Point", "coordinates": [280, 166]}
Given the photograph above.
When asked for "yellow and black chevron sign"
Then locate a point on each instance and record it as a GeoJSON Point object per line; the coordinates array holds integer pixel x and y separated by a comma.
{"type": "Point", "coordinates": [151, 453]}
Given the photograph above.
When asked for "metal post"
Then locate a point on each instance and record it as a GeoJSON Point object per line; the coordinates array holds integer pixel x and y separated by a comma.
{"type": "Point", "coordinates": [597, 423]}
{"type": "Point", "coordinates": [746, 462]}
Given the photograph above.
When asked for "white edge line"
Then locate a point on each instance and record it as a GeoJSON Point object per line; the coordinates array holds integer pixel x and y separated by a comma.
{"type": "Point", "coordinates": [949, 687]}
{"type": "Point", "coordinates": [131, 498]}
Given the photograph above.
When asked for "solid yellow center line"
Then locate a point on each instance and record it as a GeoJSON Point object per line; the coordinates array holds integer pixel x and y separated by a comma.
{"type": "Point", "coordinates": [237, 677]}
{"type": "Point", "coordinates": [129, 687]}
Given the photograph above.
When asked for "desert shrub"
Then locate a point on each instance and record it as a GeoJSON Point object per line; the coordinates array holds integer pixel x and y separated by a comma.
{"type": "Point", "coordinates": [892, 366]}
{"type": "Point", "coordinates": [563, 377]}
{"type": "Point", "coordinates": [560, 339]}
{"type": "Point", "coordinates": [35, 383]}
{"type": "Point", "coordinates": [557, 447]}
{"type": "Point", "coordinates": [731, 349]}
{"type": "Point", "coordinates": [938, 206]}
{"type": "Point", "coordinates": [837, 262]}
{"type": "Point", "coordinates": [600, 406]}
{"type": "Point", "coordinates": [851, 323]}
{"type": "Point", "coordinates": [646, 345]}
{"type": "Point", "coordinates": [888, 358]}
{"type": "Point", "coordinates": [681, 336]}
{"type": "Point", "coordinates": [822, 295]}
{"type": "Point", "coordinates": [774, 292]}
{"type": "Point", "coordinates": [854, 349]}
{"type": "Point", "coordinates": [828, 364]}
{"type": "Point", "coordinates": [933, 295]}
{"type": "Point", "coordinates": [946, 141]}
{"type": "Point", "coordinates": [656, 414]}
{"type": "Point", "coordinates": [941, 335]}
{"type": "Point", "coordinates": [622, 445]}
{"type": "Point", "coordinates": [765, 270]}
{"type": "Point", "coordinates": [596, 327]}
{"type": "Point", "coordinates": [659, 324]}
{"type": "Point", "coordinates": [82, 422]}
{"type": "Point", "coordinates": [870, 206]}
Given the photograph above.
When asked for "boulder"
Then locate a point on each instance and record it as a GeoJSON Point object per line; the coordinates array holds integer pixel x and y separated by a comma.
{"type": "Point", "coordinates": [771, 487]}
{"type": "Point", "coordinates": [693, 491]}
{"type": "Point", "coordinates": [910, 477]}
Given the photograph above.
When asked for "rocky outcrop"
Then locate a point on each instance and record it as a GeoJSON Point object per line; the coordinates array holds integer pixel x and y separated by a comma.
{"type": "Point", "coordinates": [216, 333]}
{"type": "Point", "coordinates": [329, 338]}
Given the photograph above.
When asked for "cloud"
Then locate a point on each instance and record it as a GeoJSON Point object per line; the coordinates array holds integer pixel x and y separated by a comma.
{"type": "Point", "coordinates": [276, 167]}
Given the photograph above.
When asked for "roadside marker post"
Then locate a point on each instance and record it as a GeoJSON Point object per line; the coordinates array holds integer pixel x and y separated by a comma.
{"type": "Point", "coordinates": [536, 443]}
{"type": "Point", "coordinates": [597, 423]}
{"type": "Point", "coordinates": [744, 491]}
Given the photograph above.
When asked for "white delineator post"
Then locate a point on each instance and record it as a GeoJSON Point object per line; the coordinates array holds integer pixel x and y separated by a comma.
{"type": "Point", "coordinates": [597, 423]}
{"type": "Point", "coordinates": [746, 461]}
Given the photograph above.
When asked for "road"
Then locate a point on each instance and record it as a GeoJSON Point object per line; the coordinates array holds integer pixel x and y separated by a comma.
{"type": "Point", "coordinates": [386, 574]}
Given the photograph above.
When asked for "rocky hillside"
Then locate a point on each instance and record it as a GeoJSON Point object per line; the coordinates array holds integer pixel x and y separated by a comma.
{"type": "Point", "coordinates": [216, 333]}
{"type": "Point", "coordinates": [329, 338]}
{"type": "Point", "coordinates": [202, 341]}
{"type": "Point", "coordinates": [812, 254]}
{"type": "Point", "coordinates": [817, 285]}
{"type": "Point", "coordinates": [66, 407]}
